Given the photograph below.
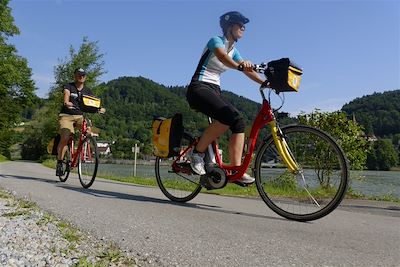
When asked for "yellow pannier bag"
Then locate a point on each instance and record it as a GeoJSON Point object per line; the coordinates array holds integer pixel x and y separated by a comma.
{"type": "Point", "coordinates": [53, 144]}
{"type": "Point", "coordinates": [167, 136]}
{"type": "Point", "coordinates": [90, 104]}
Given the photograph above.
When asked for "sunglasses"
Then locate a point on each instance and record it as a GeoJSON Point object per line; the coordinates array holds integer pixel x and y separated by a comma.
{"type": "Point", "coordinates": [242, 27]}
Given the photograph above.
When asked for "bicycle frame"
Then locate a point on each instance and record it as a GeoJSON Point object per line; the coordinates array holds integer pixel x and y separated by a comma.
{"type": "Point", "coordinates": [80, 150]}
{"type": "Point", "coordinates": [264, 117]}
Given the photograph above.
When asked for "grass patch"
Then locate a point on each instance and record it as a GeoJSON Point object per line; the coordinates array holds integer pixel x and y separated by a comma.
{"type": "Point", "coordinates": [355, 195]}
{"type": "Point", "coordinates": [3, 158]}
{"type": "Point", "coordinates": [51, 163]}
{"type": "Point", "coordinates": [5, 195]}
{"type": "Point", "coordinates": [132, 180]}
{"type": "Point", "coordinates": [17, 213]}
{"type": "Point", "coordinates": [47, 218]}
{"type": "Point", "coordinates": [68, 232]}
{"type": "Point", "coordinates": [111, 254]}
{"type": "Point", "coordinates": [25, 204]}
{"type": "Point", "coordinates": [389, 198]}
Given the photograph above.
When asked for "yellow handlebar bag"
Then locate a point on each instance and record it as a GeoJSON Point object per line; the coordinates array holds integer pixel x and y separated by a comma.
{"type": "Point", "coordinates": [90, 104]}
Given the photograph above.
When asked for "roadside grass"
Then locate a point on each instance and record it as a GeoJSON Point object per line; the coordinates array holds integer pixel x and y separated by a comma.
{"type": "Point", "coordinates": [101, 254]}
{"type": "Point", "coordinates": [235, 190]}
{"type": "Point", "coordinates": [3, 158]}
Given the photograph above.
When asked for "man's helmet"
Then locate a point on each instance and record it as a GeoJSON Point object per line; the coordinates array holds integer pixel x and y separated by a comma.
{"type": "Point", "coordinates": [231, 18]}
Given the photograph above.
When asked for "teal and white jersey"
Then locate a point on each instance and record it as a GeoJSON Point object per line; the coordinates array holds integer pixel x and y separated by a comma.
{"type": "Point", "coordinates": [210, 67]}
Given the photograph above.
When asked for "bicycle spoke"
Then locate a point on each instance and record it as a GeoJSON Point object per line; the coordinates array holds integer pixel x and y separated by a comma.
{"type": "Point", "coordinates": [308, 192]}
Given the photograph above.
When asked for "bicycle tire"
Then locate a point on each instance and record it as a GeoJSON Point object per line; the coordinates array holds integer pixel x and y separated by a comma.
{"type": "Point", "coordinates": [66, 165]}
{"type": "Point", "coordinates": [320, 184]}
{"type": "Point", "coordinates": [177, 186]}
{"type": "Point", "coordinates": [88, 162]}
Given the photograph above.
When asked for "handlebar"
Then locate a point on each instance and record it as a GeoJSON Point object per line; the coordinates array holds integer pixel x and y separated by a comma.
{"type": "Point", "coordinates": [260, 68]}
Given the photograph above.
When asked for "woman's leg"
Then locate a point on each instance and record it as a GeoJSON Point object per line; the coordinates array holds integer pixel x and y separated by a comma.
{"type": "Point", "coordinates": [62, 146]}
{"type": "Point", "coordinates": [213, 131]}
{"type": "Point", "coordinates": [236, 143]}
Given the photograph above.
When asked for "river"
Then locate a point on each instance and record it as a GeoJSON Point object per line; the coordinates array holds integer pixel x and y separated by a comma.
{"type": "Point", "coordinates": [369, 183]}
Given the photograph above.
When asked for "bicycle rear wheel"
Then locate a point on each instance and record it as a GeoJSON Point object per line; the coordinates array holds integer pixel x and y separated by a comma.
{"type": "Point", "coordinates": [66, 165]}
{"type": "Point", "coordinates": [316, 189]}
{"type": "Point", "coordinates": [88, 162]}
{"type": "Point", "coordinates": [178, 184]}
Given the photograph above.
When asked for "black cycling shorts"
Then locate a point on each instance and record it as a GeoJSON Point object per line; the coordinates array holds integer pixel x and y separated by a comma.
{"type": "Point", "coordinates": [206, 98]}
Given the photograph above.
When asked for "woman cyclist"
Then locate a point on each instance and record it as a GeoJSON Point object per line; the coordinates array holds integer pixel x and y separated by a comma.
{"type": "Point", "coordinates": [204, 92]}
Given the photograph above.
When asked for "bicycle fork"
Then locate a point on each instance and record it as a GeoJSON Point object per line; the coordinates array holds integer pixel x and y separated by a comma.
{"type": "Point", "coordinates": [283, 148]}
{"type": "Point", "coordinates": [287, 157]}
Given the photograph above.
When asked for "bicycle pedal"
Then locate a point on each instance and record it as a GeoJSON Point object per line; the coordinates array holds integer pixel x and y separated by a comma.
{"type": "Point", "coordinates": [204, 182]}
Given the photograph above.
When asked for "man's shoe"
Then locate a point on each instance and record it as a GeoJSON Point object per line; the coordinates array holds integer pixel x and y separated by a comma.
{"type": "Point", "coordinates": [59, 169]}
{"type": "Point", "coordinates": [197, 163]}
{"type": "Point", "coordinates": [246, 179]}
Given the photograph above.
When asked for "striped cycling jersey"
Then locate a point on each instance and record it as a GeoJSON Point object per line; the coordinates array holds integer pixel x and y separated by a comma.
{"type": "Point", "coordinates": [210, 67]}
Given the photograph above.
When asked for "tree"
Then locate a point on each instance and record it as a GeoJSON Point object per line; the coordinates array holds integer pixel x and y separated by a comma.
{"type": "Point", "coordinates": [16, 85]}
{"type": "Point", "coordinates": [44, 123]}
{"type": "Point", "coordinates": [346, 132]}
{"type": "Point", "coordinates": [383, 156]}
{"type": "Point", "coordinates": [396, 143]}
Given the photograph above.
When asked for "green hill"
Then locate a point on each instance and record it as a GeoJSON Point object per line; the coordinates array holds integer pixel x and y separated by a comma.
{"type": "Point", "coordinates": [131, 103]}
{"type": "Point", "coordinates": [379, 113]}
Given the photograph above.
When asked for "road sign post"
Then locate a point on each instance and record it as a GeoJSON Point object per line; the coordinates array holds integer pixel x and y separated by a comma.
{"type": "Point", "coordinates": [135, 151]}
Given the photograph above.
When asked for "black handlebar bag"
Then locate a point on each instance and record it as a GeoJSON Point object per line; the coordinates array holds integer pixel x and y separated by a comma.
{"type": "Point", "coordinates": [283, 75]}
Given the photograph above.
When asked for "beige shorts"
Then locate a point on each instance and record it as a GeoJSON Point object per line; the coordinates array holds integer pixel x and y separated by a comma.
{"type": "Point", "coordinates": [66, 123]}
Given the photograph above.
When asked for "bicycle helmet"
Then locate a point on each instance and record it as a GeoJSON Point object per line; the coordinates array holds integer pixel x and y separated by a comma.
{"type": "Point", "coordinates": [231, 18]}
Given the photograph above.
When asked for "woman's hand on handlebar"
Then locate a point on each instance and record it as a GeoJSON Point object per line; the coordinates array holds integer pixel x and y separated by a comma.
{"type": "Point", "coordinates": [102, 110]}
{"type": "Point", "coordinates": [246, 66]}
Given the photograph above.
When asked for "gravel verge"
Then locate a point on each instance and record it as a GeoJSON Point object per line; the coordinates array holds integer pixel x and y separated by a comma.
{"type": "Point", "coordinates": [30, 236]}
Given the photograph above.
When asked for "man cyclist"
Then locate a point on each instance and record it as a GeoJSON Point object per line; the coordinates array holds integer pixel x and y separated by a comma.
{"type": "Point", "coordinates": [71, 115]}
{"type": "Point", "coordinates": [204, 92]}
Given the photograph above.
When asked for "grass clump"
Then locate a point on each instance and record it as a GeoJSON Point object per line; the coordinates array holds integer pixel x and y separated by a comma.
{"type": "Point", "coordinates": [3, 158]}
{"type": "Point", "coordinates": [68, 232]}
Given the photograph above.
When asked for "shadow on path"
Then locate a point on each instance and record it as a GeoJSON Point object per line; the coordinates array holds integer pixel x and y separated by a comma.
{"type": "Point", "coordinates": [118, 195]}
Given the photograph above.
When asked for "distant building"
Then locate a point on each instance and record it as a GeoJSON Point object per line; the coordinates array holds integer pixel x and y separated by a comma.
{"type": "Point", "coordinates": [104, 148]}
{"type": "Point", "coordinates": [369, 138]}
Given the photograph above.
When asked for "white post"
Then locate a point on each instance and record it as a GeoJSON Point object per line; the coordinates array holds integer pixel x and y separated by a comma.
{"type": "Point", "coordinates": [134, 162]}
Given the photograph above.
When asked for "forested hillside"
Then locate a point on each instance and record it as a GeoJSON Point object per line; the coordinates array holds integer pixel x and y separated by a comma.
{"type": "Point", "coordinates": [131, 103]}
{"type": "Point", "coordinates": [379, 113]}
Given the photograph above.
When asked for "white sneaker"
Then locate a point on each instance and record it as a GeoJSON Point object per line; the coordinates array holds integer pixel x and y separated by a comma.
{"type": "Point", "coordinates": [197, 163]}
{"type": "Point", "coordinates": [247, 179]}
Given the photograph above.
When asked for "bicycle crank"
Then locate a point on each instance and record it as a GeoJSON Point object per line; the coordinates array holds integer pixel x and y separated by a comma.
{"type": "Point", "coordinates": [215, 178]}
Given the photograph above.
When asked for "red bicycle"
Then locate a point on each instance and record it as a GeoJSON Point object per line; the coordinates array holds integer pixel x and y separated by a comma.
{"type": "Point", "coordinates": [85, 156]}
{"type": "Point", "coordinates": [301, 173]}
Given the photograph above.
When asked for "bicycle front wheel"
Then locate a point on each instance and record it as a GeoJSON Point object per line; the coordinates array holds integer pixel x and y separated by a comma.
{"type": "Point", "coordinates": [318, 186]}
{"type": "Point", "coordinates": [66, 165]}
{"type": "Point", "coordinates": [179, 184]}
{"type": "Point", "coordinates": [88, 162]}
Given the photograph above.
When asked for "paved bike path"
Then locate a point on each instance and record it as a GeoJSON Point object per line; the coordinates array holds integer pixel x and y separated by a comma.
{"type": "Point", "coordinates": [211, 230]}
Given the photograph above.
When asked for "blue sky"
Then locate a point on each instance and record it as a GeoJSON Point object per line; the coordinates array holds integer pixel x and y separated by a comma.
{"type": "Point", "coordinates": [347, 48]}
